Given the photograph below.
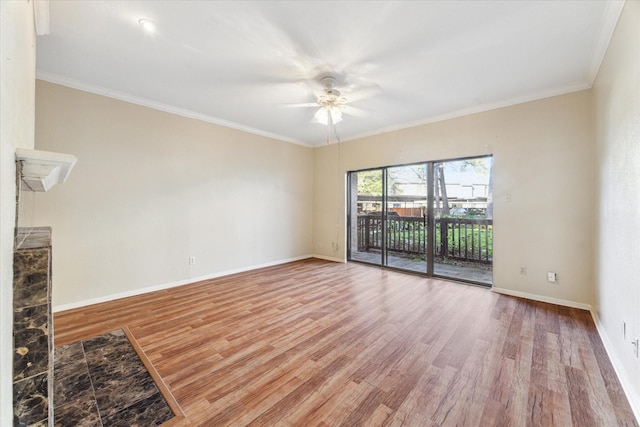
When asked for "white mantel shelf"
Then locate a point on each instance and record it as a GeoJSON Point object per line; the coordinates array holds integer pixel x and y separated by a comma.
{"type": "Point", "coordinates": [41, 170]}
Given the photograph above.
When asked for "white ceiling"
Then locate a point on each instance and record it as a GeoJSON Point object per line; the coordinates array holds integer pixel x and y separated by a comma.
{"type": "Point", "coordinates": [240, 63]}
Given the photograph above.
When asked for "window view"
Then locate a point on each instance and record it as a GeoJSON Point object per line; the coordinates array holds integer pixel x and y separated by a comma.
{"type": "Point", "coordinates": [463, 214]}
{"type": "Point", "coordinates": [433, 218]}
{"type": "Point", "coordinates": [366, 218]}
{"type": "Point", "coordinates": [407, 217]}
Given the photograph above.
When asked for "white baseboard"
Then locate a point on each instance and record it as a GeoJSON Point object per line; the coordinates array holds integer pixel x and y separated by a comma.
{"type": "Point", "coordinates": [160, 287]}
{"type": "Point", "coordinates": [328, 258]}
{"type": "Point", "coordinates": [542, 298]}
{"type": "Point", "coordinates": [618, 367]}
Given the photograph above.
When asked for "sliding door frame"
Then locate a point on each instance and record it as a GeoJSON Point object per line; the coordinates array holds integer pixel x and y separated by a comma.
{"type": "Point", "coordinates": [385, 216]}
{"type": "Point", "coordinates": [430, 221]}
{"type": "Point", "coordinates": [431, 224]}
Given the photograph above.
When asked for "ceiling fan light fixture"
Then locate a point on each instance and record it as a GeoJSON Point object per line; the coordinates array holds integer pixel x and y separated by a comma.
{"type": "Point", "coordinates": [147, 25]}
{"type": "Point", "coordinates": [324, 113]}
{"type": "Point", "coordinates": [336, 114]}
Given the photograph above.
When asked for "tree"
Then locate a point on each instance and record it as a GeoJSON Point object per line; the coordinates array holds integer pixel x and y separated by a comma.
{"type": "Point", "coordinates": [370, 182]}
{"type": "Point", "coordinates": [478, 165]}
{"type": "Point", "coordinates": [441, 189]}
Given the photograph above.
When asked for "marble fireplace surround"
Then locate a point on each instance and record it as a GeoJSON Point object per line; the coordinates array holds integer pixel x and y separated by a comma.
{"type": "Point", "coordinates": [32, 328]}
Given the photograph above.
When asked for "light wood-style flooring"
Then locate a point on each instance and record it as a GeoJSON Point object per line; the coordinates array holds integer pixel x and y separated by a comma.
{"type": "Point", "coordinates": [315, 343]}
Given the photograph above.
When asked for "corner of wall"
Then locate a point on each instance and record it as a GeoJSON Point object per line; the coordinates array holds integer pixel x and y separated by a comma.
{"type": "Point", "coordinates": [17, 107]}
{"type": "Point", "coordinates": [618, 367]}
{"type": "Point", "coordinates": [615, 110]}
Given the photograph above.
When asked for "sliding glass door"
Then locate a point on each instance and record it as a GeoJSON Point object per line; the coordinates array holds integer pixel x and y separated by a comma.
{"type": "Point", "coordinates": [433, 218]}
{"type": "Point", "coordinates": [463, 219]}
{"type": "Point", "coordinates": [406, 217]}
{"type": "Point", "coordinates": [365, 217]}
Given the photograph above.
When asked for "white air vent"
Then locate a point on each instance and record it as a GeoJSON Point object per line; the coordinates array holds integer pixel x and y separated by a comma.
{"type": "Point", "coordinates": [41, 170]}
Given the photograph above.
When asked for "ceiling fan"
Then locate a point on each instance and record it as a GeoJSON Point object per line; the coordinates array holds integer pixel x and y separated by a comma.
{"type": "Point", "coordinates": [331, 103]}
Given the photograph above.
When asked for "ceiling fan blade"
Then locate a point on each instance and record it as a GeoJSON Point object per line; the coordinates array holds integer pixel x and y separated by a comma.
{"type": "Point", "coordinates": [313, 85]}
{"type": "Point", "coordinates": [315, 119]}
{"type": "Point", "coordinates": [353, 111]}
{"type": "Point", "coordinates": [303, 105]}
{"type": "Point", "coordinates": [368, 92]}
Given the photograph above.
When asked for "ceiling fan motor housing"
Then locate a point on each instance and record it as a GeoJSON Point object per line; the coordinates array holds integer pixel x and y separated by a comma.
{"type": "Point", "coordinates": [332, 92]}
{"type": "Point", "coordinates": [331, 96]}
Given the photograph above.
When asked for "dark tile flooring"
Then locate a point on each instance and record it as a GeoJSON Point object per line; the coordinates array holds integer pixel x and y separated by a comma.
{"type": "Point", "coordinates": [102, 382]}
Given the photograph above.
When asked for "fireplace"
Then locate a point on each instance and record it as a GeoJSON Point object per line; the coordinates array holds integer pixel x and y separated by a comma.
{"type": "Point", "coordinates": [36, 171]}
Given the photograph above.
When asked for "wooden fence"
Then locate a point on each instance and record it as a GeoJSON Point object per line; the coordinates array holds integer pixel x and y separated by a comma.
{"type": "Point", "coordinates": [456, 238]}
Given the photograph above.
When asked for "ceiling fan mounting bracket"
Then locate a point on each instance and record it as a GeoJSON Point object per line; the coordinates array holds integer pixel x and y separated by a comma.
{"type": "Point", "coordinates": [328, 81]}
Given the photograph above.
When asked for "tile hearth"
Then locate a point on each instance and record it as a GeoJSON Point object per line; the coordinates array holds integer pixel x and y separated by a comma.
{"type": "Point", "coordinates": [101, 381]}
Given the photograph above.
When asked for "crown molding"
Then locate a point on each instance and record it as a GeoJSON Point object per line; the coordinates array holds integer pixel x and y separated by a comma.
{"type": "Point", "coordinates": [121, 96]}
{"type": "Point", "coordinates": [607, 28]}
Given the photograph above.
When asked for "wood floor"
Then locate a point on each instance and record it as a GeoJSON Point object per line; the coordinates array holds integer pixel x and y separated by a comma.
{"type": "Point", "coordinates": [314, 343]}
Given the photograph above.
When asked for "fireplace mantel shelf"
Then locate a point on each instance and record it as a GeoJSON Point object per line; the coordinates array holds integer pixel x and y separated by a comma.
{"type": "Point", "coordinates": [41, 170]}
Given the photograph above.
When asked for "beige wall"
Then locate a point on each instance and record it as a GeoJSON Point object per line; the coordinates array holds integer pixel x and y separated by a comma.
{"type": "Point", "coordinates": [617, 245]}
{"type": "Point", "coordinates": [17, 74]}
{"type": "Point", "coordinates": [543, 157]}
{"type": "Point", "coordinates": [152, 189]}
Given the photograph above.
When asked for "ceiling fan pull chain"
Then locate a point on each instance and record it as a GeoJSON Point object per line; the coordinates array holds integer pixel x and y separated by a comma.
{"type": "Point", "coordinates": [329, 125]}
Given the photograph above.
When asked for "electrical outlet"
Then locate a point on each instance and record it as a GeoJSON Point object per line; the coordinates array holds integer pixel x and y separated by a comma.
{"type": "Point", "coordinates": [523, 271]}
{"type": "Point", "coordinates": [552, 277]}
{"type": "Point", "coordinates": [192, 260]}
